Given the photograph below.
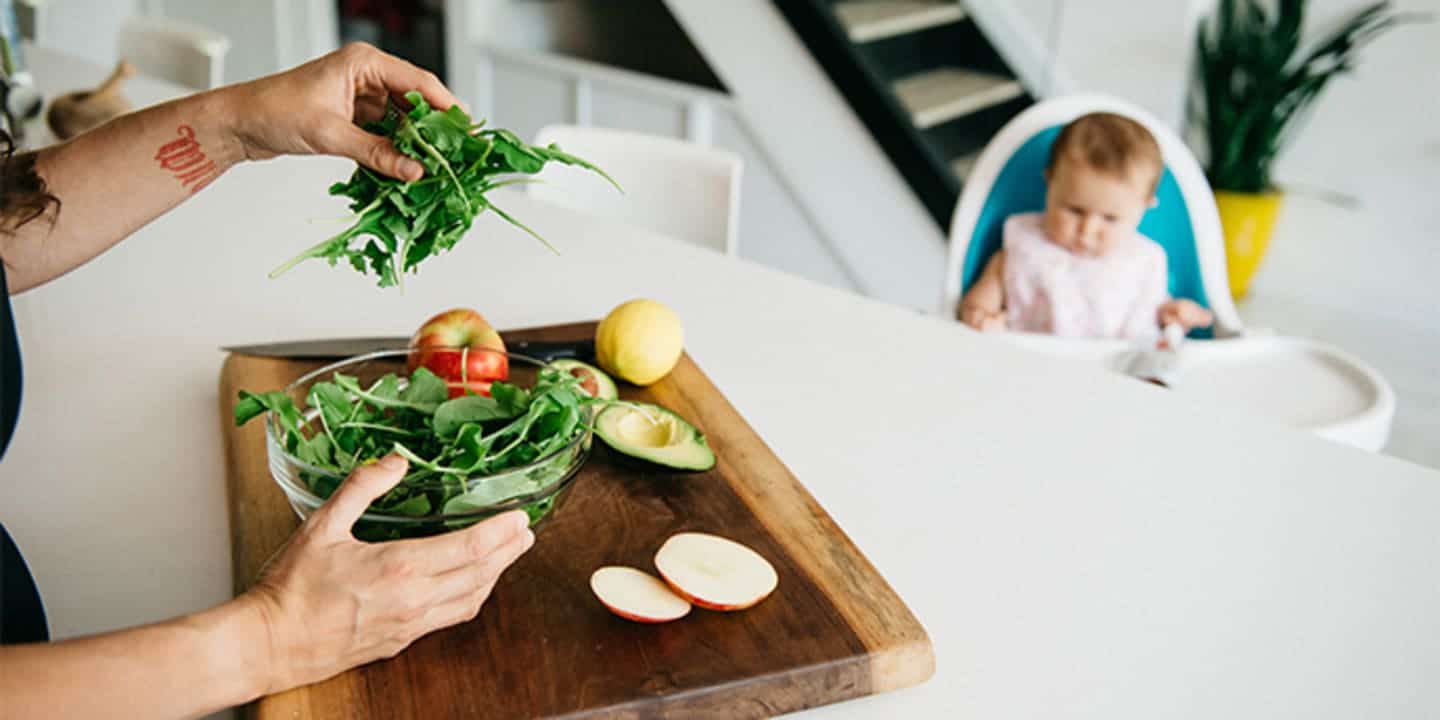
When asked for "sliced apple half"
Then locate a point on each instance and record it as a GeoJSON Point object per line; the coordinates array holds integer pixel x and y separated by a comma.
{"type": "Point", "coordinates": [637, 595]}
{"type": "Point", "coordinates": [715, 573]}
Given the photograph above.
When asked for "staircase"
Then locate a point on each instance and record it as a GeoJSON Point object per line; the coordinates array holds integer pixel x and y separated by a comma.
{"type": "Point", "coordinates": [923, 78]}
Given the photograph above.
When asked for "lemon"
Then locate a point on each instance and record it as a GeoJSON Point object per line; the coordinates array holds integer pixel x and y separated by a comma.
{"type": "Point", "coordinates": [639, 341]}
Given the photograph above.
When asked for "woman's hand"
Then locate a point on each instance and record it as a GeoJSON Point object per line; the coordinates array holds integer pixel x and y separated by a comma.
{"type": "Point", "coordinates": [331, 602]}
{"type": "Point", "coordinates": [315, 108]}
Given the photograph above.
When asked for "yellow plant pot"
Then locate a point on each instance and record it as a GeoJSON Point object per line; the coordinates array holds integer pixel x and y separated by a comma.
{"type": "Point", "coordinates": [1247, 219]}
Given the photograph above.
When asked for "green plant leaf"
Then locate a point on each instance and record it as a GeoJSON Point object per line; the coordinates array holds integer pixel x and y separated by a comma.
{"type": "Point", "coordinates": [1256, 79]}
{"type": "Point", "coordinates": [471, 446]}
{"type": "Point", "coordinates": [398, 225]}
{"type": "Point", "coordinates": [488, 492]}
{"type": "Point", "coordinates": [250, 405]}
{"type": "Point", "coordinates": [458, 449]}
{"type": "Point", "coordinates": [334, 404]}
{"type": "Point", "coordinates": [352, 386]}
{"type": "Point", "coordinates": [412, 506]}
{"type": "Point", "coordinates": [425, 388]}
{"type": "Point", "coordinates": [467, 409]}
{"type": "Point", "coordinates": [513, 398]}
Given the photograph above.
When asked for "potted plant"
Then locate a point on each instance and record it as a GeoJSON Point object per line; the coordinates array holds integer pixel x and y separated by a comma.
{"type": "Point", "coordinates": [1255, 79]}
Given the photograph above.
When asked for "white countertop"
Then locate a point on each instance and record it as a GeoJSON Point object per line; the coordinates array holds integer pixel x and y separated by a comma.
{"type": "Point", "coordinates": [1077, 544]}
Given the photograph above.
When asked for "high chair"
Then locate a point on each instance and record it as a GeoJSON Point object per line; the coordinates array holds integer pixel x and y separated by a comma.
{"type": "Point", "coordinates": [1299, 382]}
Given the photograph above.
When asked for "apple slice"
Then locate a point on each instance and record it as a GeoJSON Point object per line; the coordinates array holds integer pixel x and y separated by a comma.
{"type": "Point", "coordinates": [637, 595]}
{"type": "Point", "coordinates": [715, 573]}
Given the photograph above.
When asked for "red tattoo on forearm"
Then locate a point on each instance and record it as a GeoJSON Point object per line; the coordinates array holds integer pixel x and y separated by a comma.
{"type": "Point", "coordinates": [184, 158]}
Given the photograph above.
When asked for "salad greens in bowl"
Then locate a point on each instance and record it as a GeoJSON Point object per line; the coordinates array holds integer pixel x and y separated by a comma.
{"type": "Point", "coordinates": [471, 456]}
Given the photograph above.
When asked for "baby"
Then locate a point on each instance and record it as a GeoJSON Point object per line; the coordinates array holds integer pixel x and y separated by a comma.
{"type": "Point", "coordinates": [1080, 269]}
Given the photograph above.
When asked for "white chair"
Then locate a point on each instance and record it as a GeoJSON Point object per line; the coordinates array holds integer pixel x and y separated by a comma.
{"type": "Point", "coordinates": [1297, 381]}
{"type": "Point", "coordinates": [676, 188]}
{"type": "Point", "coordinates": [179, 52]}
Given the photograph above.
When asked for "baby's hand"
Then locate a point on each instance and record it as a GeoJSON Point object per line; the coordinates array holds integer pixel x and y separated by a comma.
{"type": "Point", "coordinates": [1185, 313]}
{"type": "Point", "coordinates": [982, 319]}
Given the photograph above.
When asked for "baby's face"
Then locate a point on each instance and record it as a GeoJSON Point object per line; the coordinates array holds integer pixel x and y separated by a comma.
{"type": "Point", "coordinates": [1089, 212]}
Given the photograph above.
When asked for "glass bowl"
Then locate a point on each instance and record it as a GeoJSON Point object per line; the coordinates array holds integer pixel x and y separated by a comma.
{"type": "Point", "coordinates": [537, 487]}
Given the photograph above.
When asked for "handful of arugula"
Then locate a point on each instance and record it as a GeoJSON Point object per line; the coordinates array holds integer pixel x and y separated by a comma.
{"type": "Point", "coordinates": [452, 444]}
{"type": "Point", "coordinates": [407, 222]}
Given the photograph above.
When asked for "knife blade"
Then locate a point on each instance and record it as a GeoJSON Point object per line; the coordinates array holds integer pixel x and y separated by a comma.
{"type": "Point", "coordinates": [341, 348]}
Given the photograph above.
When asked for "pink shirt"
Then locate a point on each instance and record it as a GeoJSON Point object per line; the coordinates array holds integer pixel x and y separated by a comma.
{"type": "Point", "coordinates": [1049, 289]}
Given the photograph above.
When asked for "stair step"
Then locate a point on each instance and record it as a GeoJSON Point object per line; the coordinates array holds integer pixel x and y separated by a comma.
{"type": "Point", "coordinates": [869, 20]}
{"type": "Point", "coordinates": [938, 96]}
{"type": "Point", "coordinates": [962, 165]}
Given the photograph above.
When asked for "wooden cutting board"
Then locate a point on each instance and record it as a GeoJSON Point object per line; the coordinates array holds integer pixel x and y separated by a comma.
{"type": "Point", "coordinates": [543, 646]}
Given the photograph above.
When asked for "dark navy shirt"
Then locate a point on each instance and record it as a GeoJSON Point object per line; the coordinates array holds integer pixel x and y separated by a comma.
{"type": "Point", "coordinates": [22, 618]}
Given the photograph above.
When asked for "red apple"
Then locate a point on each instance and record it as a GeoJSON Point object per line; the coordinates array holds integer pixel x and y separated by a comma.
{"type": "Point", "coordinates": [636, 595]}
{"type": "Point", "coordinates": [715, 573]}
{"type": "Point", "coordinates": [462, 349]}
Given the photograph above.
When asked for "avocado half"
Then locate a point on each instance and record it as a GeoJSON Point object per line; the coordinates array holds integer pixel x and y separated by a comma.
{"type": "Point", "coordinates": [607, 387]}
{"type": "Point", "coordinates": [652, 433]}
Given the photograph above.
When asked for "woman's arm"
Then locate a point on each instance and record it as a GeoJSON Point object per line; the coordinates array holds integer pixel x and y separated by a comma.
{"type": "Point", "coordinates": [326, 603]}
{"type": "Point", "coordinates": [181, 668]}
{"type": "Point", "coordinates": [113, 180]}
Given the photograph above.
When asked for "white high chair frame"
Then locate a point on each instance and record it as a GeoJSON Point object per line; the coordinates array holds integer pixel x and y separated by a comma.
{"type": "Point", "coordinates": [678, 188]}
{"type": "Point", "coordinates": [1368, 427]}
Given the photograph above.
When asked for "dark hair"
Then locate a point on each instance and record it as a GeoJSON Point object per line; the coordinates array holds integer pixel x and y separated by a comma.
{"type": "Point", "coordinates": [23, 194]}
{"type": "Point", "coordinates": [1112, 144]}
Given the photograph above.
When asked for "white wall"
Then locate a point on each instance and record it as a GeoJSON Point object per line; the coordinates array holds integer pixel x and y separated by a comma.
{"type": "Point", "coordinates": [1375, 135]}
{"type": "Point", "coordinates": [1138, 50]}
{"type": "Point", "coordinates": [86, 28]}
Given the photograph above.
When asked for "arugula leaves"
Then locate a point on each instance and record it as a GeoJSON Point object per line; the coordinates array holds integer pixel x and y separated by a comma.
{"type": "Point", "coordinates": [399, 224]}
{"type": "Point", "coordinates": [453, 445]}
{"type": "Point", "coordinates": [252, 404]}
{"type": "Point", "coordinates": [455, 414]}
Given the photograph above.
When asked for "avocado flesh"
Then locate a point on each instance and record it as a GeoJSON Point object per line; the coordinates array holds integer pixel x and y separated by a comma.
{"type": "Point", "coordinates": [652, 433]}
{"type": "Point", "coordinates": [608, 391]}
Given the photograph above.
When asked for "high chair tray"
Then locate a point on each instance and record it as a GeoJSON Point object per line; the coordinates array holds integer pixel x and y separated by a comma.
{"type": "Point", "coordinates": [1295, 381]}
